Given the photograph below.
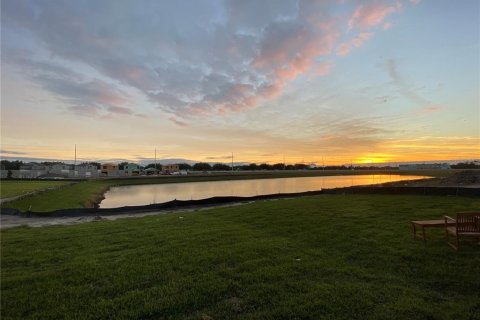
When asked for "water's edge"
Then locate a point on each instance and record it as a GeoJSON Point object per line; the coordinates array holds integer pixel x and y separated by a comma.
{"type": "Point", "coordinates": [377, 189]}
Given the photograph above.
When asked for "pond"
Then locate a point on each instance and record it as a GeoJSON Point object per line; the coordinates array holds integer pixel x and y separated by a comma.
{"type": "Point", "coordinates": [138, 195]}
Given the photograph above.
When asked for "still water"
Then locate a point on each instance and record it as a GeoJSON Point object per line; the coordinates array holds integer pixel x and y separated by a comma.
{"type": "Point", "coordinates": [158, 193]}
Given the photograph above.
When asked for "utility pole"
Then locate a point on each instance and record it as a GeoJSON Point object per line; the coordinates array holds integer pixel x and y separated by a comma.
{"type": "Point", "coordinates": [284, 164]}
{"type": "Point", "coordinates": [232, 162]}
{"type": "Point", "coordinates": [75, 161]}
{"type": "Point", "coordinates": [155, 160]}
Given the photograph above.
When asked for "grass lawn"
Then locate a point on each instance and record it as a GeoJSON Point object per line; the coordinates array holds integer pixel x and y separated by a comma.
{"type": "Point", "coordinates": [322, 257]}
{"type": "Point", "coordinates": [86, 193]}
{"type": "Point", "coordinates": [15, 188]}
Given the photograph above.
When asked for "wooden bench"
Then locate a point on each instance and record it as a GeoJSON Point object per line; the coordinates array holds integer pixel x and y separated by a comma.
{"type": "Point", "coordinates": [466, 224]}
{"type": "Point", "coordinates": [423, 224]}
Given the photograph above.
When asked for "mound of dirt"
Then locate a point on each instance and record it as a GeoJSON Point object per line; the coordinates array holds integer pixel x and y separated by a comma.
{"type": "Point", "coordinates": [466, 177]}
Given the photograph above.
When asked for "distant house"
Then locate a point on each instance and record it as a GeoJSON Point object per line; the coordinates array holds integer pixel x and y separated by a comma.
{"type": "Point", "coordinates": [131, 169]}
{"type": "Point", "coordinates": [170, 168]}
{"type": "Point", "coordinates": [3, 174]}
{"type": "Point", "coordinates": [61, 170]}
{"type": "Point", "coordinates": [110, 170]}
{"type": "Point", "coordinates": [85, 171]}
{"type": "Point", "coordinates": [30, 171]}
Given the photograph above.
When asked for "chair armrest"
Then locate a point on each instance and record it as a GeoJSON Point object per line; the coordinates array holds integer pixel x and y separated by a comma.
{"type": "Point", "coordinates": [449, 218]}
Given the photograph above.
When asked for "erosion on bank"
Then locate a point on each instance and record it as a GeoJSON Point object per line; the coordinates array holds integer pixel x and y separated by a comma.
{"type": "Point", "coordinates": [333, 256]}
{"type": "Point", "coordinates": [87, 194]}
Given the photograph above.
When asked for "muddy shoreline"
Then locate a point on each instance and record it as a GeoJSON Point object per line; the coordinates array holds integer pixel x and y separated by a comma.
{"type": "Point", "coordinates": [13, 218]}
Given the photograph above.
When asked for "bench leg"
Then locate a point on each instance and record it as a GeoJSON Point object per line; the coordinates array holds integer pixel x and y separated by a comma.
{"type": "Point", "coordinates": [423, 234]}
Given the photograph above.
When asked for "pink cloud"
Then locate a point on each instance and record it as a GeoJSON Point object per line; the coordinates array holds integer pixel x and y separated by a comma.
{"type": "Point", "coordinates": [370, 15]}
{"type": "Point", "coordinates": [361, 39]}
{"type": "Point", "coordinates": [415, 2]}
{"type": "Point", "coordinates": [324, 68]}
{"type": "Point", "coordinates": [387, 25]}
{"type": "Point", "coordinates": [345, 47]}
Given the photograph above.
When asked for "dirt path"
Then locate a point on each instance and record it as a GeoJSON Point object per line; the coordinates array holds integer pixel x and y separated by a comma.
{"type": "Point", "coordinates": [11, 221]}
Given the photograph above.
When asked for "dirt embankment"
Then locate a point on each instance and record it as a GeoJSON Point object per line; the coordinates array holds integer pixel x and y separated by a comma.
{"type": "Point", "coordinates": [467, 178]}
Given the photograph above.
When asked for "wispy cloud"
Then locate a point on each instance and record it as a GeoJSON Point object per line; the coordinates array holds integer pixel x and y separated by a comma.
{"type": "Point", "coordinates": [214, 58]}
{"type": "Point", "coordinates": [357, 42]}
{"type": "Point", "coordinates": [403, 86]}
{"type": "Point", "coordinates": [11, 152]}
{"type": "Point", "coordinates": [85, 97]}
{"type": "Point", "coordinates": [178, 122]}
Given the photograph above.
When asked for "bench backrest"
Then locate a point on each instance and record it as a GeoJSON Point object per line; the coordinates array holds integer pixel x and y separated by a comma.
{"type": "Point", "coordinates": [468, 222]}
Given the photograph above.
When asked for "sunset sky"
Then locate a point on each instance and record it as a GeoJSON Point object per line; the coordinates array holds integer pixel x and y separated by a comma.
{"type": "Point", "coordinates": [343, 81]}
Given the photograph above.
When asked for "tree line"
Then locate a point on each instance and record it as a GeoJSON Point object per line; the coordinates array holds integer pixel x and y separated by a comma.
{"type": "Point", "coordinates": [205, 166]}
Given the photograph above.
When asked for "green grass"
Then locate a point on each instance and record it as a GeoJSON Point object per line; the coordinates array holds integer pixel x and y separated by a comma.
{"type": "Point", "coordinates": [322, 257]}
{"type": "Point", "coordinates": [86, 193]}
{"type": "Point", "coordinates": [79, 195]}
{"type": "Point", "coordinates": [10, 189]}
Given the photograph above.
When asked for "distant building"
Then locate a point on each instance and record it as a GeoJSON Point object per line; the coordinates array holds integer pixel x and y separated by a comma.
{"type": "Point", "coordinates": [151, 171]}
{"type": "Point", "coordinates": [131, 169]}
{"type": "Point", "coordinates": [61, 170]}
{"type": "Point", "coordinates": [3, 174]}
{"type": "Point", "coordinates": [424, 166]}
{"type": "Point", "coordinates": [86, 171]}
{"type": "Point", "coordinates": [109, 170]}
{"type": "Point", "coordinates": [30, 171]}
{"type": "Point", "coordinates": [170, 168]}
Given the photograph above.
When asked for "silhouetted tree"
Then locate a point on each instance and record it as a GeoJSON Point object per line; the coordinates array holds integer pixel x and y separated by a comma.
{"type": "Point", "coordinates": [221, 167]}
{"type": "Point", "coordinates": [465, 165]}
{"type": "Point", "coordinates": [278, 166]}
{"type": "Point", "coordinates": [264, 166]}
{"type": "Point", "coordinates": [11, 165]}
{"type": "Point", "coordinates": [202, 166]}
{"type": "Point", "coordinates": [300, 166]}
{"type": "Point", "coordinates": [122, 165]}
{"type": "Point", "coordinates": [184, 166]}
{"type": "Point", "coordinates": [91, 163]}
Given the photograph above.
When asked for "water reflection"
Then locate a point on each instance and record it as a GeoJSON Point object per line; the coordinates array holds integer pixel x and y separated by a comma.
{"type": "Point", "coordinates": [158, 193]}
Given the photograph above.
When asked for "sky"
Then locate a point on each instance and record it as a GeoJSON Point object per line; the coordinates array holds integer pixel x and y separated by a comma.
{"type": "Point", "coordinates": [326, 82]}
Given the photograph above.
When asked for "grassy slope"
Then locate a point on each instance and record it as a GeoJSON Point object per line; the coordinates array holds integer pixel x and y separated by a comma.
{"type": "Point", "coordinates": [357, 260]}
{"type": "Point", "coordinates": [15, 188]}
{"type": "Point", "coordinates": [84, 194]}
{"type": "Point", "coordinates": [79, 195]}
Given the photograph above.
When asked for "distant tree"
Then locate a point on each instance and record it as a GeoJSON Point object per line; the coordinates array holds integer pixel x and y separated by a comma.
{"type": "Point", "coordinates": [184, 166]}
{"type": "Point", "coordinates": [290, 167]}
{"type": "Point", "coordinates": [51, 163]}
{"type": "Point", "coordinates": [122, 165]}
{"type": "Point", "coordinates": [465, 165]}
{"type": "Point", "coordinates": [264, 166]}
{"type": "Point", "coordinates": [202, 166]}
{"type": "Point", "coordinates": [300, 166]}
{"type": "Point", "coordinates": [152, 165]}
{"type": "Point", "coordinates": [221, 167]}
{"type": "Point", "coordinates": [91, 163]}
{"type": "Point", "coordinates": [11, 165]}
{"type": "Point", "coordinates": [251, 167]}
{"type": "Point", "coordinates": [278, 166]}
{"type": "Point", "coordinates": [336, 168]}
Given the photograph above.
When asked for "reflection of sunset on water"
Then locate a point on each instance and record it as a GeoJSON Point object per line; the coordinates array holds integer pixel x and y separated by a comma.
{"type": "Point", "coordinates": [148, 194]}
